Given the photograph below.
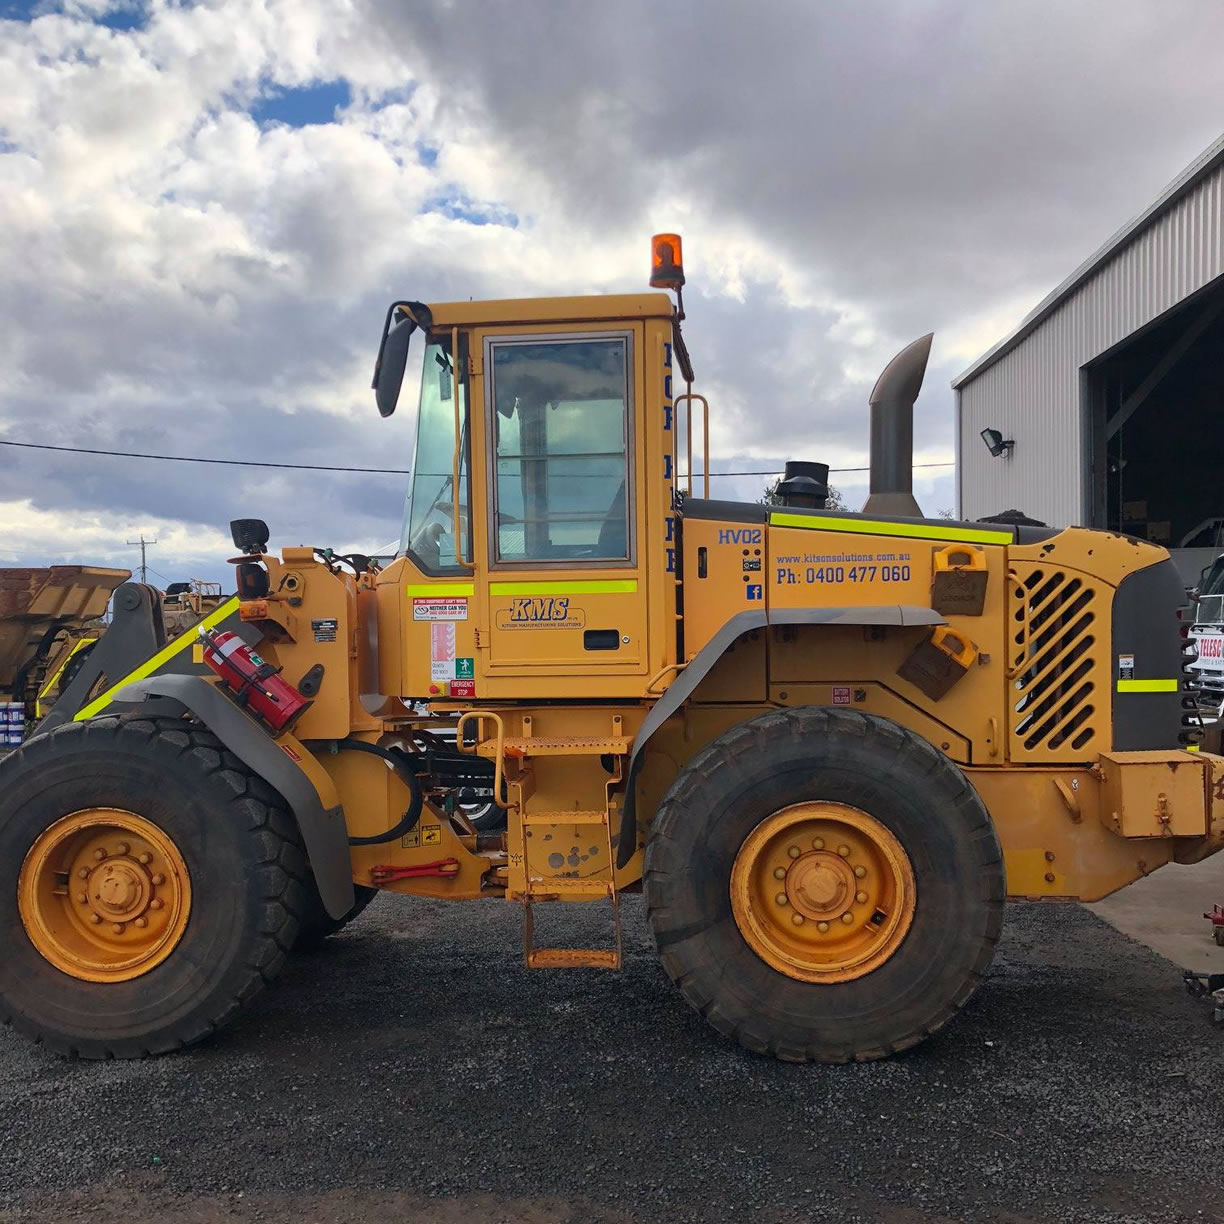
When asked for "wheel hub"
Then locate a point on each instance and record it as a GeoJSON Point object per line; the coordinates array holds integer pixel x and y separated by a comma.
{"type": "Point", "coordinates": [823, 892]}
{"type": "Point", "coordinates": [104, 895]}
{"type": "Point", "coordinates": [819, 884]}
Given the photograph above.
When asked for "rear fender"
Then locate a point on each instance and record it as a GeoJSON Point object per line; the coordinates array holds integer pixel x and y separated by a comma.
{"type": "Point", "coordinates": [685, 684]}
{"type": "Point", "coordinates": [283, 763]}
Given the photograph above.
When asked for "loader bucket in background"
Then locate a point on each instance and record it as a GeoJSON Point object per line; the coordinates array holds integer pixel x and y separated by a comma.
{"type": "Point", "coordinates": [36, 605]}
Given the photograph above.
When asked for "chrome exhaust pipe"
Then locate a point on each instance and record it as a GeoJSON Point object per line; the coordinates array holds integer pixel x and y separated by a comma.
{"type": "Point", "coordinates": [892, 432]}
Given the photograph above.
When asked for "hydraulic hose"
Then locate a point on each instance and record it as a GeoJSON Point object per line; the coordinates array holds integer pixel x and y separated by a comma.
{"type": "Point", "coordinates": [408, 821]}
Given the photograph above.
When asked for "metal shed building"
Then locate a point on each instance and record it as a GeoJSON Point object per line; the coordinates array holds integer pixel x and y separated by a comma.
{"type": "Point", "coordinates": [1112, 389]}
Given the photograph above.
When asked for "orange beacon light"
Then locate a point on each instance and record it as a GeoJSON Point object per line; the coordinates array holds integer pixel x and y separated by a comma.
{"type": "Point", "coordinates": [666, 262]}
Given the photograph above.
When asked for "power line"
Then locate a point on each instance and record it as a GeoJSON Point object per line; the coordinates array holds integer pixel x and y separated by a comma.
{"type": "Point", "coordinates": [326, 467]}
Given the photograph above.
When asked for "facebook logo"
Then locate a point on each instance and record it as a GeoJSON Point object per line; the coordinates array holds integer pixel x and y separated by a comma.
{"type": "Point", "coordinates": [754, 591]}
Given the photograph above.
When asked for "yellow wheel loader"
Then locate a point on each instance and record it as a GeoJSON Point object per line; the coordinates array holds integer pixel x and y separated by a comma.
{"type": "Point", "coordinates": [827, 746]}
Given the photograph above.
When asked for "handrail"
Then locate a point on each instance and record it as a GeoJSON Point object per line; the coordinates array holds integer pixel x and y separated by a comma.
{"type": "Point", "coordinates": [688, 397]}
{"type": "Point", "coordinates": [663, 671]}
{"type": "Point", "coordinates": [459, 557]}
{"type": "Point", "coordinates": [500, 793]}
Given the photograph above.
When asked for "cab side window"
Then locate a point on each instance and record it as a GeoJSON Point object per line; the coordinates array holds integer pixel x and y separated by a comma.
{"type": "Point", "coordinates": [561, 423]}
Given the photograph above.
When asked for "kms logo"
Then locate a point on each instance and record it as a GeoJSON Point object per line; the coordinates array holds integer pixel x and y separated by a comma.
{"type": "Point", "coordinates": [740, 535]}
{"type": "Point", "coordinates": [547, 608]}
{"type": "Point", "coordinates": [540, 612]}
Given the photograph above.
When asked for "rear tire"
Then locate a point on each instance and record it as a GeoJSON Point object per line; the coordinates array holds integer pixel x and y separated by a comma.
{"type": "Point", "coordinates": [873, 771]}
{"type": "Point", "coordinates": [231, 835]}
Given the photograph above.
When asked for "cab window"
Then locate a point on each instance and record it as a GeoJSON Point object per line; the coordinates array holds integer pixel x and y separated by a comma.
{"type": "Point", "coordinates": [560, 412]}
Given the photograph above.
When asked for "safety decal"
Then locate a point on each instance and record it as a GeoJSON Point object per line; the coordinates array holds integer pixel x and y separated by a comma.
{"type": "Point", "coordinates": [841, 694]}
{"type": "Point", "coordinates": [465, 668]}
{"type": "Point", "coordinates": [462, 688]}
{"type": "Point", "coordinates": [324, 630]}
{"type": "Point", "coordinates": [442, 650]}
{"type": "Point", "coordinates": [1126, 667]}
{"type": "Point", "coordinates": [431, 835]}
{"type": "Point", "coordinates": [436, 609]}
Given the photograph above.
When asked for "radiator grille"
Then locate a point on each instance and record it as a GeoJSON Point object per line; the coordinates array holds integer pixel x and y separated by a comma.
{"type": "Point", "coordinates": [1057, 651]}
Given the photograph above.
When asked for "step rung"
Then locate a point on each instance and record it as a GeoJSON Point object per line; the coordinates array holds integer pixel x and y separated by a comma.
{"type": "Point", "coordinates": [545, 745]}
{"type": "Point", "coordinates": [570, 887]}
{"type": "Point", "coordinates": [574, 958]}
{"type": "Point", "coordinates": [566, 818]}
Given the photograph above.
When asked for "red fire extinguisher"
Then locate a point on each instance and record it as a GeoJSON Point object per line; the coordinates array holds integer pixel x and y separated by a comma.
{"type": "Point", "coordinates": [255, 683]}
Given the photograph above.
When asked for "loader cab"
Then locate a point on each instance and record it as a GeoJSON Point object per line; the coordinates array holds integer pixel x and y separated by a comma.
{"type": "Point", "coordinates": [538, 554]}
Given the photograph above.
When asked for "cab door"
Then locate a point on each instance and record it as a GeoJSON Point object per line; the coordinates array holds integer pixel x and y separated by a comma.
{"type": "Point", "coordinates": [564, 544]}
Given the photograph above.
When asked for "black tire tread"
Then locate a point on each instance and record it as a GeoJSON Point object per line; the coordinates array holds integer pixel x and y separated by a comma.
{"type": "Point", "coordinates": [698, 982]}
{"type": "Point", "coordinates": [257, 809]}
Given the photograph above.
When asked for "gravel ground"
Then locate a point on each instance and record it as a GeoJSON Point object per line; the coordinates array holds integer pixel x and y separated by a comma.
{"type": "Point", "coordinates": [413, 1071]}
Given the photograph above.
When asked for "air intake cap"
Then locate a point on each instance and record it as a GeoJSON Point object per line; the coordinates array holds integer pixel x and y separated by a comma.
{"type": "Point", "coordinates": [804, 484]}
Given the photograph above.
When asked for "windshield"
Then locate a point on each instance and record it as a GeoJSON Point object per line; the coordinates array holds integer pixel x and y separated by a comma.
{"type": "Point", "coordinates": [429, 508]}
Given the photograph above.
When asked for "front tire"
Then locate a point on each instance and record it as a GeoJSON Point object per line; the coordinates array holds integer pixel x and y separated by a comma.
{"type": "Point", "coordinates": [150, 886]}
{"type": "Point", "coordinates": [824, 886]}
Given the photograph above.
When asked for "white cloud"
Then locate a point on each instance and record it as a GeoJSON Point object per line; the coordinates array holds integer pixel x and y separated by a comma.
{"type": "Point", "coordinates": [180, 278]}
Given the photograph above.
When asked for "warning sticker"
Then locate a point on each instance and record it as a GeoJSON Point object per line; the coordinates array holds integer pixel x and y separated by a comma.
{"type": "Point", "coordinates": [324, 630]}
{"type": "Point", "coordinates": [431, 609]}
{"type": "Point", "coordinates": [411, 839]}
{"type": "Point", "coordinates": [442, 650]}
{"type": "Point", "coordinates": [841, 694]}
{"type": "Point", "coordinates": [465, 668]}
{"type": "Point", "coordinates": [431, 835]}
{"type": "Point", "coordinates": [462, 688]}
{"type": "Point", "coordinates": [1126, 667]}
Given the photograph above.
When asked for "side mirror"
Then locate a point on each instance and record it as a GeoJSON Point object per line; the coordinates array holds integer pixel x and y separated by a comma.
{"type": "Point", "coordinates": [393, 352]}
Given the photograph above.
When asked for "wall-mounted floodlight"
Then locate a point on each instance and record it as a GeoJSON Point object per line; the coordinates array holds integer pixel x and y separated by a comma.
{"type": "Point", "coordinates": [997, 444]}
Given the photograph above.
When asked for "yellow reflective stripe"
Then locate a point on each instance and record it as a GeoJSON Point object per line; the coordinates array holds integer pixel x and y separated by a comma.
{"type": "Point", "coordinates": [55, 675]}
{"type": "Point", "coordinates": [442, 589]}
{"type": "Point", "coordinates": [149, 666]}
{"type": "Point", "coordinates": [1148, 686]}
{"type": "Point", "coordinates": [611, 586]}
{"type": "Point", "coordinates": [924, 531]}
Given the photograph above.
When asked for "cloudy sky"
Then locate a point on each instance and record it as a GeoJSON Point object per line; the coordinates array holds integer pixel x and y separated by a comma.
{"type": "Point", "coordinates": [205, 208]}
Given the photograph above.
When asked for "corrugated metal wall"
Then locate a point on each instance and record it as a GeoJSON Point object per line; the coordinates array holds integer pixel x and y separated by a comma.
{"type": "Point", "coordinates": [1032, 393]}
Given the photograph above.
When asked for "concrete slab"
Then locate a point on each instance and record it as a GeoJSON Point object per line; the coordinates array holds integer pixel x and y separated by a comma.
{"type": "Point", "coordinates": [1165, 912]}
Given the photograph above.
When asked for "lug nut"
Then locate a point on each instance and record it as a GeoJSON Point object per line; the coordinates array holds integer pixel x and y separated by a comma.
{"type": "Point", "coordinates": [99, 854]}
{"type": "Point", "coordinates": [860, 897]}
{"type": "Point", "coordinates": [822, 927]}
{"type": "Point", "coordinates": [158, 878]}
{"type": "Point", "coordinates": [123, 848]}
{"type": "Point", "coordinates": [860, 872]}
{"type": "Point", "coordinates": [146, 858]}
{"type": "Point", "coordinates": [142, 922]}
{"type": "Point", "coordinates": [817, 843]}
{"type": "Point", "coordinates": [156, 903]}
{"type": "Point", "coordinates": [781, 898]}
{"type": "Point", "coordinates": [844, 851]}
{"type": "Point", "coordinates": [95, 918]}
{"type": "Point", "coordinates": [847, 918]}
{"type": "Point", "coordinates": [793, 852]}
{"type": "Point", "coordinates": [83, 873]}
{"type": "Point", "coordinates": [117, 928]}
{"type": "Point", "coordinates": [779, 873]}
{"type": "Point", "coordinates": [82, 898]}
{"type": "Point", "coordinates": [797, 919]}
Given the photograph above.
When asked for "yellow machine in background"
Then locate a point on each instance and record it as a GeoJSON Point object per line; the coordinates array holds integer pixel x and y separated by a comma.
{"type": "Point", "coordinates": [826, 745]}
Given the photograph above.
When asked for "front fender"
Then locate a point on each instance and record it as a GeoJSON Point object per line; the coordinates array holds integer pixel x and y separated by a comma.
{"type": "Point", "coordinates": [283, 763]}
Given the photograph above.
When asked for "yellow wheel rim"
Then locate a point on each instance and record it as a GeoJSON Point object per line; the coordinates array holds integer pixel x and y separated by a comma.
{"type": "Point", "coordinates": [104, 895]}
{"type": "Point", "coordinates": [822, 892]}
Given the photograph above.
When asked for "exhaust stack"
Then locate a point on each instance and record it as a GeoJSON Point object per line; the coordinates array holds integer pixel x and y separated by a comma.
{"type": "Point", "coordinates": [892, 432]}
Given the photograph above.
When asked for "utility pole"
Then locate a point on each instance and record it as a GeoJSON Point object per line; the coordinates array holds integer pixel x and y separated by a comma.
{"type": "Point", "coordinates": [143, 544]}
